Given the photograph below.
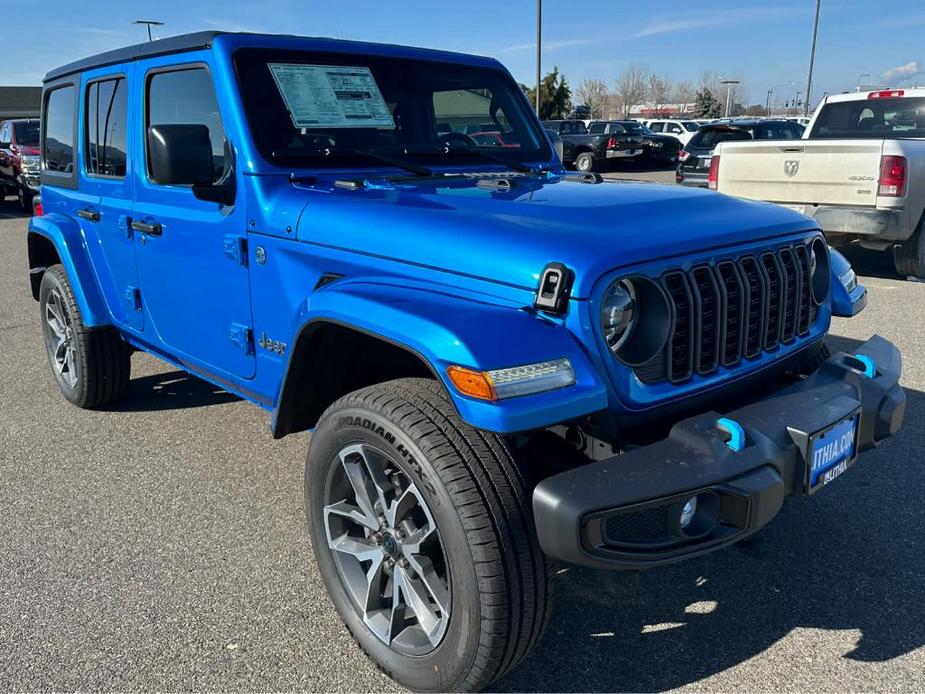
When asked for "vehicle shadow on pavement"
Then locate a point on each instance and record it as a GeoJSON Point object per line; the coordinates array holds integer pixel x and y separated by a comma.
{"type": "Point", "coordinates": [870, 263]}
{"type": "Point", "coordinates": [851, 557]}
{"type": "Point", "coordinates": [173, 390]}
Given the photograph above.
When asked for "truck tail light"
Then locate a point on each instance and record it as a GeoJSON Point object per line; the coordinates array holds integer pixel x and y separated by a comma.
{"type": "Point", "coordinates": [893, 172]}
{"type": "Point", "coordinates": [37, 210]}
{"type": "Point", "coordinates": [713, 176]}
{"type": "Point", "coordinates": [887, 94]}
{"type": "Point", "coordinates": [683, 155]}
{"type": "Point", "coordinates": [612, 143]}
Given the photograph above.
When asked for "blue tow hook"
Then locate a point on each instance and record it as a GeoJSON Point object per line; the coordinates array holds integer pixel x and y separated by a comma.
{"type": "Point", "coordinates": [870, 369]}
{"type": "Point", "coordinates": [736, 433]}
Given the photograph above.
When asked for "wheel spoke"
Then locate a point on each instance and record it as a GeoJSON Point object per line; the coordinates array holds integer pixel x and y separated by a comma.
{"type": "Point", "coordinates": [360, 549]}
{"type": "Point", "coordinates": [423, 569]}
{"type": "Point", "coordinates": [416, 598]}
{"type": "Point", "coordinates": [352, 513]}
{"type": "Point", "coordinates": [367, 477]}
{"type": "Point", "coordinates": [54, 322]}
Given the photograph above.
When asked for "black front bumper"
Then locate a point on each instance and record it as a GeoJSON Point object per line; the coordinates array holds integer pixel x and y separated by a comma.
{"type": "Point", "coordinates": [622, 513]}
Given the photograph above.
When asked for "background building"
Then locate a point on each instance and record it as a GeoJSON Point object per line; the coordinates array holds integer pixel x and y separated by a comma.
{"type": "Point", "coordinates": [20, 102]}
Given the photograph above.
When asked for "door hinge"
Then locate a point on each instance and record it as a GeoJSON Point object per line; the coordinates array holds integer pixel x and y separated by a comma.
{"type": "Point", "coordinates": [235, 247]}
{"type": "Point", "coordinates": [242, 337]}
{"type": "Point", "coordinates": [133, 297]}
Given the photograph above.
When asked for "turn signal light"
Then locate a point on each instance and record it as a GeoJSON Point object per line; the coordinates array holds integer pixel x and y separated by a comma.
{"type": "Point", "coordinates": [713, 176]}
{"type": "Point", "coordinates": [475, 384]}
{"type": "Point", "coordinates": [893, 172]}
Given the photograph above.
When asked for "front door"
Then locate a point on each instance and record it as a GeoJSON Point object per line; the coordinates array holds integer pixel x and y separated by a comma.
{"type": "Point", "coordinates": [194, 282]}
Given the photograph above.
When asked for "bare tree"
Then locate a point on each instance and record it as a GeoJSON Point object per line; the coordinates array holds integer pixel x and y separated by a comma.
{"type": "Point", "coordinates": [594, 94]}
{"type": "Point", "coordinates": [684, 94]}
{"type": "Point", "coordinates": [631, 88]}
{"type": "Point", "coordinates": [659, 94]}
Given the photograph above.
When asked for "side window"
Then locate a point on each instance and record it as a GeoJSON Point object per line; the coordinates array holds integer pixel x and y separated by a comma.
{"type": "Point", "coordinates": [58, 152]}
{"type": "Point", "coordinates": [657, 127]}
{"type": "Point", "coordinates": [597, 128]}
{"type": "Point", "coordinates": [674, 129]}
{"type": "Point", "coordinates": [187, 97]}
{"type": "Point", "coordinates": [4, 135]}
{"type": "Point", "coordinates": [105, 127]}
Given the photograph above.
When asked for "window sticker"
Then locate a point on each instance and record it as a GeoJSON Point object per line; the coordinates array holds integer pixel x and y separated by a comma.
{"type": "Point", "coordinates": [331, 96]}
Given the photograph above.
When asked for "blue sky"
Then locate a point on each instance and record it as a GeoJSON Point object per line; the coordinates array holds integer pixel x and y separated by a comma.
{"type": "Point", "coordinates": [767, 42]}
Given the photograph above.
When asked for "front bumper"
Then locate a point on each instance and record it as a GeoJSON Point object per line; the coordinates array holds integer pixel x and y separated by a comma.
{"type": "Point", "coordinates": [620, 513]}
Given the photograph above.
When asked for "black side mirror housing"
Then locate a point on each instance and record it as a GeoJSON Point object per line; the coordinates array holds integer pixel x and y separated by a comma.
{"type": "Point", "coordinates": [180, 154]}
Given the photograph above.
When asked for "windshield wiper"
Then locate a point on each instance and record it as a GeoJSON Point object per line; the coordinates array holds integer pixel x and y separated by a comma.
{"type": "Point", "coordinates": [329, 152]}
{"type": "Point", "coordinates": [512, 165]}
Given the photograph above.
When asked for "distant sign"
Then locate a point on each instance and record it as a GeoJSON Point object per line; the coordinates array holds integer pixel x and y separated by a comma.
{"type": "Point", "coordinates": [331, 96]}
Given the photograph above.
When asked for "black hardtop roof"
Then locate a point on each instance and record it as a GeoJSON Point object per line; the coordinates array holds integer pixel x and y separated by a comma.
{"type": "Point", "coordinates": [172, 44]}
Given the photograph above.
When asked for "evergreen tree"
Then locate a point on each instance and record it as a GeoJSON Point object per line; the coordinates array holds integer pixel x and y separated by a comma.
{"type": "Point", "coordinates": [706, 105]}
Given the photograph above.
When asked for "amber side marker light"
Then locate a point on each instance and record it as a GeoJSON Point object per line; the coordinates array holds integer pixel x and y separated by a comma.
{"type": "Point", "coordinates": [512, 382]}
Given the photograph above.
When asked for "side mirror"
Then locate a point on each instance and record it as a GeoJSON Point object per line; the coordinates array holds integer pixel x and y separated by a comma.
{"type": "Point", "coordinates": [182, 155]}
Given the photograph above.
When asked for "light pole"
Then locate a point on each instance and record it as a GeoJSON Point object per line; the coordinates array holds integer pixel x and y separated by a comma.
{"type": "Point", "coordinates": [149, 23]}
{"type": "Point", "coordinates": [860, 77]}
{"type": "Point", "coordinates": [812, 60]}
{"type": "Point", "coordinates": [539, 50]}
{"type": "Point", "coordinates": [728, 84]}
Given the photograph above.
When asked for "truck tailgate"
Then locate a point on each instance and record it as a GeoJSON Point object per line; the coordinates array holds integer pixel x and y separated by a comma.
{"type": "Point", "coordinates": [822, 172]}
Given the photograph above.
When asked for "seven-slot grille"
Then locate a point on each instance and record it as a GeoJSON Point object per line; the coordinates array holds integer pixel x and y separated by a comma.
{"type": "Point", "coordinates": [733, 310]}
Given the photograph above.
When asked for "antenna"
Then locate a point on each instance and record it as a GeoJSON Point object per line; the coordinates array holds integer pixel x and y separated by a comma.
{"type": "Point", "coordinates": [149, 23]}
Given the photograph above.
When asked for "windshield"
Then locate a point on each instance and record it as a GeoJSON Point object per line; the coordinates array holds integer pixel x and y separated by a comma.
{"type": "Point", "coordinates": [871, 119]}
{"type": "Point", "coordinates": [708, 138]}
{"type": "Point", "coordinates": [27, 133]}
{"type": "Point", "coordinates": [334, 110]}
{"type": "Point", "coordinates": [636, 128]}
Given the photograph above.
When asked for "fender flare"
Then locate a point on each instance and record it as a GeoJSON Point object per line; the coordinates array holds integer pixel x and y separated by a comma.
{"type": "Point", "coordinates": [66, 237]}
{"type": "Point", "coordinates": [444, 329]}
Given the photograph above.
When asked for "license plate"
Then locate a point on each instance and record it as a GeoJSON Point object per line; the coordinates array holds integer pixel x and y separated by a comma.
{"type": "Point", "coordinates": [831, 452]}
{"type": "Point", "coordinates": [704, 162]}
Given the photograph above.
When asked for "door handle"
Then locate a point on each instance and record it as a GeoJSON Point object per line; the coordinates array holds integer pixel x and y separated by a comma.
{"type": "Point", "coordinates": [151, 229]}
{"type": "Point", "coordinates": [90, 215]}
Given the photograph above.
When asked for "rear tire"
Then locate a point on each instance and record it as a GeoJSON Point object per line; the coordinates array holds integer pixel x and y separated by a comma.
{"type": "Point", "coordinates": [585, 162]}
{"type": "Point", "coordinates": [91, 366]}
{"type": "Point", "coordinates": [909, 256]}
{"type": "Point", "coordinates": [493, 577]}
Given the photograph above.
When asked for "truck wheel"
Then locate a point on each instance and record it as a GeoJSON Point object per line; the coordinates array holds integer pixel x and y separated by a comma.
{"type": "Point", "coordinates": [24, 200]}
{"type": "Point", "coordinates": [90, 366]}
{"type": "Point", "coordinates": [909, 256]}
{"type": "Point", "coordinates": [423, 532]}
{"type": "Point", "coordinates": [584, 162]}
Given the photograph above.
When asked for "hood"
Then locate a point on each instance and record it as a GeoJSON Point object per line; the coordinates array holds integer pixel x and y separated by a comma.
{"type": "Point", "coordinates": [27, 150]}
{"type": "Point", "coordinates": [509, 236]}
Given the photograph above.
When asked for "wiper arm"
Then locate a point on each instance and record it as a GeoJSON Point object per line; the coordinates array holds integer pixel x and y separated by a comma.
{"type": "Point", "coordinates": [329, 152]}
{"type": "Point", "coordinates": [512, 165]}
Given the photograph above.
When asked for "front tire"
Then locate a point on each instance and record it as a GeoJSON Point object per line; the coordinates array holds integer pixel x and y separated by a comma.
{"type": "Point", "coordinates": [92, 367]}
{"type": "Point", "coordinates": [423, 532]}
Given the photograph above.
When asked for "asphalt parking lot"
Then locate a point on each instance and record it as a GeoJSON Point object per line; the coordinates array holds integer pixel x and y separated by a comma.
{"type": "Point", "coordinates": [158, 545]}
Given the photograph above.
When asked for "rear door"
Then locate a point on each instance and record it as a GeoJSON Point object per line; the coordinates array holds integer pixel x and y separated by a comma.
{"type": "Point", "coordinates": [105, 175]}
{"type": "Point", "coordinates": [191, 253]}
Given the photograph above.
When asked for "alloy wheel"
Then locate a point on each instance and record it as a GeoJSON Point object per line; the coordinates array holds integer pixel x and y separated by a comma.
{"type": "Point", "coordinates": [387, 550]}
{"type": "Point", "coordinates": [60, 338]}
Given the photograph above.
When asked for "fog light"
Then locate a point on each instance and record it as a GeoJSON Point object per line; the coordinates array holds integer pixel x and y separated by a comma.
{"type": "Point", "coordinates": [688, 511]}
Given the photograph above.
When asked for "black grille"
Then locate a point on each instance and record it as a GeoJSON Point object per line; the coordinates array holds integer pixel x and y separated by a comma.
{"type": "Point", "coordinates": [734, 310]}
{"type": "Point", "coordinates": [648, 526]}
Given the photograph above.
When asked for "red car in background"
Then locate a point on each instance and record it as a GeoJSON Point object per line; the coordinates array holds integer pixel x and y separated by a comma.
{"type": "Point", "coordinates": [491, 139]}
{"type": "Point", "coordinates": [19, 160]}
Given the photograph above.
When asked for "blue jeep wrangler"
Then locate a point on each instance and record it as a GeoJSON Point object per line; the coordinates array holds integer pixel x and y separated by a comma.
{"type": "Point", "coordinates": [502, 363]}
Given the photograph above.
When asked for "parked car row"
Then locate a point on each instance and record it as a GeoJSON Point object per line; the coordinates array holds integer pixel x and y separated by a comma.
{"type": "Point", "coordinates": [19, 160]}
{"type": "Point", "coordinates": [589, 148]}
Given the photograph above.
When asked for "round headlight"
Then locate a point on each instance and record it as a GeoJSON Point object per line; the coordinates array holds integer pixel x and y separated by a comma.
{"type": "Point", "coordinates": [819, 273]}
{"type": "Point", "coordinates": [618, 314]}
{"type": "Point", "coordinates": [635, 319]}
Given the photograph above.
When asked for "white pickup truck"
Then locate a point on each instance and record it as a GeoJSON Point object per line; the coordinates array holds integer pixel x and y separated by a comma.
{"type": "Point", "coordinates": [859, 171]}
